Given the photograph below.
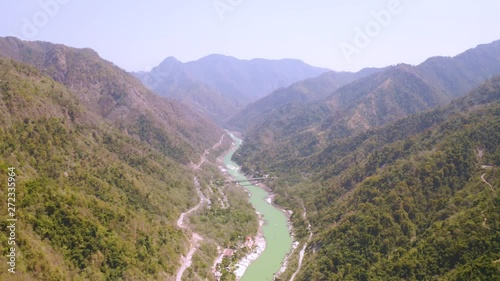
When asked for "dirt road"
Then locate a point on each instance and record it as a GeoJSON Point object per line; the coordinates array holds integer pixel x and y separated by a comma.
{"type": "Point", "coordinates": [195, 237]}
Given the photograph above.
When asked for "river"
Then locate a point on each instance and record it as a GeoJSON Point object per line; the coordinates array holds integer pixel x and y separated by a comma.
{"type": "Point", "coordinates": [275, 228]}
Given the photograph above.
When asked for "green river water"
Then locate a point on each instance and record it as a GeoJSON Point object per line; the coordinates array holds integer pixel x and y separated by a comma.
{"type": "Point", "coordinates": [275, 228]}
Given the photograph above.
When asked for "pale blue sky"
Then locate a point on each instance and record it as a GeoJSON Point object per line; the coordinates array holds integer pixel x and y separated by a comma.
{"type": "Point", "coordinates": [139, 36]}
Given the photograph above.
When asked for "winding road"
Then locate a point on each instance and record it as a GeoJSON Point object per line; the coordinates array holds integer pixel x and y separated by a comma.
{"type": "Point", "coordinates": [303, 250]}
{"type": "Point", "coordinates": [195, 237]}
{"type": "Point", "coordinates": [489, 185]}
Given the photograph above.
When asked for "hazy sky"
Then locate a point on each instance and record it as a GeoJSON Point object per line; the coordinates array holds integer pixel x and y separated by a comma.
{"type": "Point", "coordinates": [338, 34]}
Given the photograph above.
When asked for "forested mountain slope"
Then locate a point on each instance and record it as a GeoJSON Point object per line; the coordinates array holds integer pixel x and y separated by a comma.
{"type": "Point", "coordinates": [416, 199]}
{"type": "Point", "coordinates": [459, 74]}
{"type": "Point", "coordinates": [171, 79]}
{"type": "Point", "coordinates": [299, 130]}
{"type": "Point", "coordinates": [302, 92]}
{"type": "Point", "coordinates": [249, 80]}
{"type": "Point", "coordinates": [119, 98]}
{"type": "Point", "coordinates": [93, 202]}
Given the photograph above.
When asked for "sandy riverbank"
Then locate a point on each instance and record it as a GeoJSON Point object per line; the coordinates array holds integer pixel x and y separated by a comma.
{"type": "Point", "coordinates": [260, 246]}
{"type": "Point", "coordinates": [260, 241]}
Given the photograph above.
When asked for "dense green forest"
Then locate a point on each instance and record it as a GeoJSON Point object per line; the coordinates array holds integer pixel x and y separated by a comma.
{"type": "Point", "coordinates": [93, 202]}
{"type": "Point", "coordinates": [405, 201]}
{"type": "Point", "coordinates": [391, 178]}
{"type": "Point", "coordinates": [224, 223]}
{"type": "Point", "coordinates": [302, 120]}
{"type": "Point", "coordinates": [111, 94]}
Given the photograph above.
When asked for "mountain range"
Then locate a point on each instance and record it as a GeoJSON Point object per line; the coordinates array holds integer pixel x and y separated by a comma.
{"type": "Point", "coordinates": [302, 92]}
{"type": "Point", "coordinates": [298, 129]}
{"type": "Point", "coordinates": [101, 166]}
{"type": "Point", "coordinates": [219, 86]}
{"type": "Point", "coordinates": [406, 201]}
{"type": "Point", "coordinates": [392, 176]}
{"type": "Point", "coordinates": [118, 98]}
{"type": "Point", "coordinates": [389, 173]}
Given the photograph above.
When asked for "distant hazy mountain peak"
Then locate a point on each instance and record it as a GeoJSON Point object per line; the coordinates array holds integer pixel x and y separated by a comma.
{"type": "Point", "coordinates": [437, 59]}
{"type": "Point", "coordinates": [215, 58]}
{"type": "Point", "coordinates": [220, 85]}
{"type": "Point", "coordinates": [495, 43]}
{"type": "Point", "coordinates": [403, 66]}
{"type": "Point", "coordinates": [169, 62]}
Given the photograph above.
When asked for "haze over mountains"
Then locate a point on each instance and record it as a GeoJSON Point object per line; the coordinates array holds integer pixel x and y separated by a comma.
{"type": "Point", "coordinates": [375, 100]}
{"type": "Point", "coordinates": [220, 86]}
{"type": "Point", "coordinates": [237, 93]}
{"type": "Point", "coordinates": [391, 173]}
{"type": "Point", "coordinates": [302, 92]}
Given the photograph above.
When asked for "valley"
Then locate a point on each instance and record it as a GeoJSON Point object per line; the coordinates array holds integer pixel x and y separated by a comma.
{"type": "Point", "coordinates": [195, 237]}
{"type": "Point", "coordinates": [274, 223]}
{"type": "Point", "coordinates": [386, 173]}
{"type": "Point", "coordinates": [397, 189]}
